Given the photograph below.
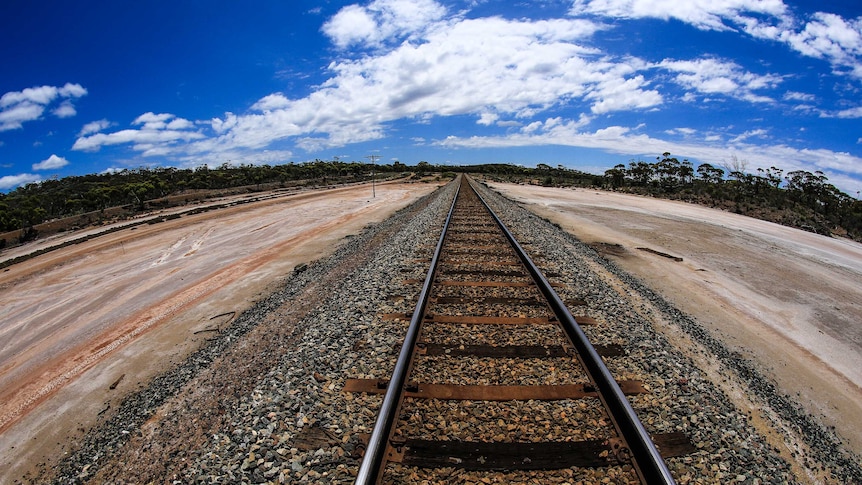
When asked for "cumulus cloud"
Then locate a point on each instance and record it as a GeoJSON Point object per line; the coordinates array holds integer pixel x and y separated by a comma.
{"type": "Point", "coordinates": [157, 134]}
{"type": "Point", "coordinates": [797, 96]}
{"type": "Point", "coordinates": [12, 181]}
{"type": "Point", "coordinates": [487, 119]}
{"type": "Point", "coordinates": [713, 76]}
{"type": "Point", "coordinates": [830, 37]}
{"type": "Point", "coordinates": [18, 107]}
{"type": "Point", "coordinates": [620, 93]}
{"type": "Point", "coordinates": [850, 113]}
{"type": "Point", "coordinates": [94, 127]}
{"type": "Point", "coordinates": [51, 163]}
{"type": "Point", "coordinates": [516, 69]}
{"type": "Point", "coordinates": [65, 110]}
{"type": "Point", "coordinates": [684, 131]}
{"type": "Point", "coordinates": [14, 116]}
{"type": "Point", "coordinates": [381, 20]}
{"type": "Point", "coordinates": [823, 35]}
{"type": "Point", "coordinates": [271, 102]}
{"type": "Point", "coordinates": [759, 133]}
{"type": "Point", "coordinates": [703, 14]}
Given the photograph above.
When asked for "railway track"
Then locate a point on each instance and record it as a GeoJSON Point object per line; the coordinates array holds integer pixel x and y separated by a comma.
{"type": "Point", "coordinates": [490, 337]}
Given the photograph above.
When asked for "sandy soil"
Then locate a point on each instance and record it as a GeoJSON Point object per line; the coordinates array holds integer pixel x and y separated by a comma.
{"type": "Point", "coordinates": [72, 319]}
{"type": "Point", "coordinates": [788, 299]}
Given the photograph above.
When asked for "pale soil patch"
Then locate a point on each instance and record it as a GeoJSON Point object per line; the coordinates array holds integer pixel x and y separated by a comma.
{"type": "Point", "coordinates": [72, 318]}
{"type": "Point", "coordinates": [788, 299]}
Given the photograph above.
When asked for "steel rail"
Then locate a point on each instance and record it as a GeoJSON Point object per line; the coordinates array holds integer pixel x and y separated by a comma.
{"type": "Point", "coordinates": [373, 460]}
{"type": "Point", "coordinates": [645, 457]}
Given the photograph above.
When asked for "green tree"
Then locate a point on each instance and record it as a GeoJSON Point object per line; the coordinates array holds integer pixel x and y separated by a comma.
{"type": "Point", "coordinates": [710, 174]}
{"type": "Point", "coordinates": [640, 173]}
{"type": "Point", "coordinates": [616, 175]}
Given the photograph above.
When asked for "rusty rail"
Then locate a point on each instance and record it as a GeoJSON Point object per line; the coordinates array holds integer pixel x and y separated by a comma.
{"type": "Point", "coordinates": [375, 451]}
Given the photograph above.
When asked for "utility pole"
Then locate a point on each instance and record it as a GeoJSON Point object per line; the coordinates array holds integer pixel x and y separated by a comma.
{"type": "Point", "coordinates": [373, 159]}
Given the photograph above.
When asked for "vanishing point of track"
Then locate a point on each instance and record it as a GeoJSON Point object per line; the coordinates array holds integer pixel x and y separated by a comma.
{"type": "Point", "coordinates": [484, 304]}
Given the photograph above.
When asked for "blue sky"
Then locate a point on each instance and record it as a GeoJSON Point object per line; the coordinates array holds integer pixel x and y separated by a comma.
{"type": "Point", "coordinates": [93, 86]}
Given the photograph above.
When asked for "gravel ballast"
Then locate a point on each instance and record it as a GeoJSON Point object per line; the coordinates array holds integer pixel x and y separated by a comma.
{"type": "Point", "coordinates": [264, 402]}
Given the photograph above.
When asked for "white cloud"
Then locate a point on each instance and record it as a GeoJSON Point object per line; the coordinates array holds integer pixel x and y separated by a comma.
{"type": "Point", "coordinates": [503, 72]}
{"type": "Point", "coordinates": [213, 160]}
{"type": "Point", "coordinates": [516, 69]}
{"type": "Point", "coordinates": [850, 113]}
{"type": "Point", "coordinates": [829, 36]}
{"type": "Point", "coordinates": [13, 117]}
{"type": "Point", "coordinates": [681, 131]}
{"type": "Point", "coordinates": [797, 96]}
{"type": "Point", "coordinates": [12, 181]}
{"type": "Point", "coordinates": [381, 20]}
{"type": "Point", "coordinates": [158, 135]}
{"type": "Point", "coordinates": [51, 163]}
{"type": "Point", "coordinates": [823, 36]}
{"type": "Point", "coordinates": [759, 133]}
{"type": "Point", "coordinates": [41, 95]}
{"type": "Point", "coordinates": [713, 76]}
{"type": "Point", "coordinates": [179, 124]}
{"type": "Point", "coordinates": [18, 107]}
{"type": "Point", "coordinates": [352, 24]}
{"type": "Point", "coordinates": [271, 102]}
{"type": "Point", "coordinates": [223, 125]}
{"type": "Point", "coordinates": [703, 14]}
{"type": "Point", "coordinates": [70, 90]}
{"type": "Point", "coordinates": [152, 121]}
{"type": "Point", "coordinates": [619, 93]}
{"type": "Point", "coordinates": [65, 110]}
{"type": "Point", "coordinates": [94, 127]}
{"type": "Point", "coordinates": [509, 124]}
{"type": "Point", "coordinates": [487, 119]}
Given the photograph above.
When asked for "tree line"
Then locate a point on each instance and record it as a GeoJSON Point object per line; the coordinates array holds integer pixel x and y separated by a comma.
{"type": "Point", "coordinates": [798, 198]}
{"type": "Point", "coordinates": [35, 203]}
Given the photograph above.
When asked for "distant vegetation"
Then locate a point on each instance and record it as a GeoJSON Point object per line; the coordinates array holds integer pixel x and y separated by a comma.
{"type": "Point", "coordinates": [799, 198]}
{"type": "Point", "coordinates": [99, 197]}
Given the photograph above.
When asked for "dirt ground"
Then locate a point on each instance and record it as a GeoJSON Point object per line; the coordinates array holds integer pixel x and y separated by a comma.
{"type": "Point", "coordinates": [788, 299]}
{"type": "Point", "coordinates": [73, 319]}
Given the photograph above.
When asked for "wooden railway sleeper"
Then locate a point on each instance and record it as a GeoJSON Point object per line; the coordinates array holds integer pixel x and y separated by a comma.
{"type": "Point", "coordinates": [510, 456]}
